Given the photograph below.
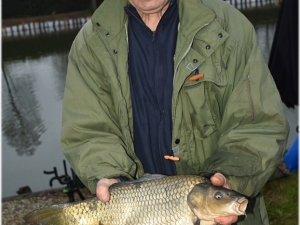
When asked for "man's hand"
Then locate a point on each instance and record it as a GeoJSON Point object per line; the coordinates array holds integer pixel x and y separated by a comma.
{"type": "Point", "coordinates": [102, 189]}
{"type": "Point", "coordinates": [220, 180]}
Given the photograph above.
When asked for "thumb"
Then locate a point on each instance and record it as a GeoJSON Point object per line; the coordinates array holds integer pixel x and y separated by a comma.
{"type": "Point", "coordinates": [219, 179]}
{"type": "Point", "coordinates": [102, 189]}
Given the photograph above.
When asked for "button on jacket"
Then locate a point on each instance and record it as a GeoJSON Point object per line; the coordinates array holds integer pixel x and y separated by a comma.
{"type": "Point", "coordinates": [228, 119]}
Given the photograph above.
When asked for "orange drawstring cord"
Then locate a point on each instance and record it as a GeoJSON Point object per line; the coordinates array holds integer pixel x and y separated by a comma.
{"type": "Point", "coordinates": [172, 158]}
{"type": "Point", "coordinates": [196, 77]}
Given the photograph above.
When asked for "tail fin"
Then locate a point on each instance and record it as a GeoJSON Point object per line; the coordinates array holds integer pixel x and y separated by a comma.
{"type": "Point", "coordinates": [46, 216]}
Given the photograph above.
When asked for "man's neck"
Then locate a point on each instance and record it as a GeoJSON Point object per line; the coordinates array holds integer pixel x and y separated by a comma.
{"type": "Point", "coordinates": [152, 17]}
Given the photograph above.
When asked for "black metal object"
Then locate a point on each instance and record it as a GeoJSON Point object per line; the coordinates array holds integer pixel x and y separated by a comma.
{"type": "Point", "coordinates": [73, 184]}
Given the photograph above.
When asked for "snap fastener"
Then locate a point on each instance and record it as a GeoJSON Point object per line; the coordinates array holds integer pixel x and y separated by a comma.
{"type": "Point", "coordinates": [177, 141]}
{"type": "Point", "coordinates": [195, 60]}
{"type": "Point", "coordinates": [115, 51]}
{"type": "Point", "coordinates": [220, 35]}
{"type": "Point", "coordinates": [98, 24]}
{"type": "Point", "coordinates": [207, 47]}
{"type": "Point", "coordinates": [107, 34]}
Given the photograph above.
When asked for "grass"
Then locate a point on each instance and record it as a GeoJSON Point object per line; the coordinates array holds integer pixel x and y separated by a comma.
{"type": "Point", "coordinates": [281, 197]}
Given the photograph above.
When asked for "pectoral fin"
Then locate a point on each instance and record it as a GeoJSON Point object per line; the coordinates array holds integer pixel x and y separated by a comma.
{"type": "Point", "coordinates": [46, 216]}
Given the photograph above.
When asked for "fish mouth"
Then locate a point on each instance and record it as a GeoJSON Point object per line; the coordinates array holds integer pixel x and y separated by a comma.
{"type": "Point", "coordinates": [241, 206]}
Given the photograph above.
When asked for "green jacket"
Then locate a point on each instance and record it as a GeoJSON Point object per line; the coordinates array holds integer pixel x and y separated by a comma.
{"type": "Point", "coordinates": [231, 120]}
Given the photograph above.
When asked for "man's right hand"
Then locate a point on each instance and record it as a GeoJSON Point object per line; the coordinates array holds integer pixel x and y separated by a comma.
{"type": "Point", "coordinates": [102, 189]}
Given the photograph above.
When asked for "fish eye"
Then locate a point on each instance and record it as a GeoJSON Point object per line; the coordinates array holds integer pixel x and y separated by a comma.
{"type": "Point", "coordinates": [218, 195]}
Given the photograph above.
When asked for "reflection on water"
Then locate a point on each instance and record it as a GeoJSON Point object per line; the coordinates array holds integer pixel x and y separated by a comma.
{"type": "Point", "coordinates": [21, 123]}
{"type": "Point", "coordinates": [33, 79]}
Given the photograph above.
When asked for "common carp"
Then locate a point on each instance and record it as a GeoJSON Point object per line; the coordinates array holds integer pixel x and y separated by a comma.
{"type": "Point", "coordinates": [152, 199]}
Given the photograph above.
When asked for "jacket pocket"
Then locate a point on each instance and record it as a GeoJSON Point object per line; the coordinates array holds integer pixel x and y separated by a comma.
{"type": "Point", "coordinates": [202, 99]}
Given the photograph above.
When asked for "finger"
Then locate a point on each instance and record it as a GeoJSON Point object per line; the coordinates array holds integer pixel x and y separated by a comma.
{"type": "Point", "coordinates": [102, 190]}
{"type": "Point", "coordinates": [226, 220]}
{"type": "Point", "coordinates": [219, 179]}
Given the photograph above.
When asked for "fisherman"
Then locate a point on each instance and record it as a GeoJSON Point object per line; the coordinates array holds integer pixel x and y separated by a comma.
{"type": "Point", "coordinates": [172, 87]}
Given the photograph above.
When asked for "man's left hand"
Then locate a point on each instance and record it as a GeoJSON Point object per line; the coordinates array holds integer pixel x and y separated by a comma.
{"type": "Point", "coordinates": [220, 180]}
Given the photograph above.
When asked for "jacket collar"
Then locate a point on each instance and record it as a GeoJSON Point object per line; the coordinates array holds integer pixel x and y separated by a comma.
{"type": "Point", "coordinates": [110, 16]}
{"type": "Point", "coordinates": [198, 15]}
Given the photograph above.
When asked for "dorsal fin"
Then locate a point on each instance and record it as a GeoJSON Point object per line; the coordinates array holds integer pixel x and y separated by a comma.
{"type": "Point", "coordinates": [144, 178]}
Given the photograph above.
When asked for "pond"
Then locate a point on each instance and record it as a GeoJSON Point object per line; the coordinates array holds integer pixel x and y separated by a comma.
{"type": "Point", "coordinates": [33, 78]}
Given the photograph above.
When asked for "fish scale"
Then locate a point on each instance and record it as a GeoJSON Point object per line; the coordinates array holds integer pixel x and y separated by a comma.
{"type": "Point", "coordinates": [152, 199]}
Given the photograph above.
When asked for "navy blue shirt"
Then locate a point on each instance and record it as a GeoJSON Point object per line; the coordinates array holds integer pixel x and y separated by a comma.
{"type": "Point", "coordinates": [151, 69]}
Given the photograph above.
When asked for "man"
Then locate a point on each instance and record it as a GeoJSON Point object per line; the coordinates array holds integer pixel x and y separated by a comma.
{"type": "Point", "coordinates": [172, 87]}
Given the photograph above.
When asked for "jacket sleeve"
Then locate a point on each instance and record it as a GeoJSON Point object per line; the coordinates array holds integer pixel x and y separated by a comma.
{"type": "Point", "coordinates": [254, 129]}
{"type": "Point", "coordinates": [92, 139]}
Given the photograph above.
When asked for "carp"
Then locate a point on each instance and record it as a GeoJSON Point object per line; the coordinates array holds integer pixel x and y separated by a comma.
{"type": "Point", "coordinates": [152, 199]}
